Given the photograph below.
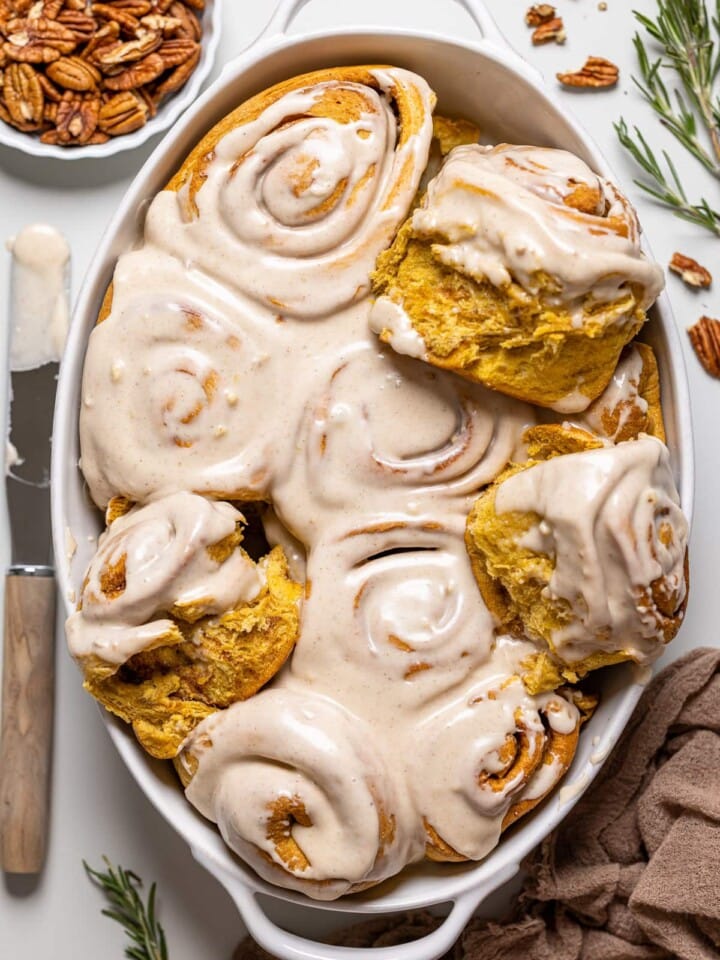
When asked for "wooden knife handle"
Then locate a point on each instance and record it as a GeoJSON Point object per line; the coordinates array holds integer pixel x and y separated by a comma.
{"type": "Point", "coordinates": [27, 721]}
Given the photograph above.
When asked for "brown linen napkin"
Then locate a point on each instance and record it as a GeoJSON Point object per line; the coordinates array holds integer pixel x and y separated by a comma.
{"type": "Point", "coordinates": [633, 873]}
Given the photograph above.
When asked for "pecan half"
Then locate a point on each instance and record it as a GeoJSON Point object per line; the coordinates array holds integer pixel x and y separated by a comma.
{"type": "Point", "coordinates": [38, 41]}
{"type": "Point", "coordinates": [74, 73]}
{"type": "Point", "coordinates": [167, 26]}
{"type": "Point", "coordinates": [548, 31]}
{"type": "Point", "coordinates": [78, 23]}
{"type": "Point", "coordinates": [175, 52]}
{"type": "Point", "coordinates": [138, 8]}
{"type": "Point", "coordinates": [129, 51]}
{"type": "Point", "coordinates": [125, 20]}
{"type": "Point", "coordinates": [123, 113]}
{"type": "Point", "coordinates": [144, 71]}
{"type": "Point", "coordinates": [23, 95]}
{"type": "Point", "coordinates": [177, 77]}
{"type": "Point", "coordinates": [692, 273]}
{"type": "Point", "coordinates": [195, 4]}
{"type": "Point", "coordinates": [539, 13]}
{"type": "Point", "coordinates": [53, 136]}
{"type": "Point", "coordinates": [77, 117]}
{"type": "Point", "coordinates": [596, 74]}
{"type": "Point", "coordinates": [705, 340]}
{"type": "Point", "coordinates": [190, 25]}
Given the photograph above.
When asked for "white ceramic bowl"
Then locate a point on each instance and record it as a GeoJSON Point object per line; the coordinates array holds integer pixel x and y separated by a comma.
{"type": "Point", "coordinates": [488, 82]}
{"type": "Point", "coordinates": [166, 116]}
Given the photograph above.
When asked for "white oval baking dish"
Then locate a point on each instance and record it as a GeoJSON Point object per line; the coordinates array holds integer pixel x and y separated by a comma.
{"type": "Point", "coordinates": [165, 118]}
{"type": "Point", "coordinates": [482, 79]}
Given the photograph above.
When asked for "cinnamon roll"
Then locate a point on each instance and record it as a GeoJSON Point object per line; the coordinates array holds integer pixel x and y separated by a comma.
{"type": "Point", "coordinates": [175, 620]}
{"type": "Point", "coordinates": [396, 603]}
{"type": "Point", "coordinates": [393, 436]}
{"type": "Point", "coordinates": [292, 196]}
{"type": "Point", "coordinates": [176, 374]}
{"type": "Point", "coordinates": [520, 269]}
{"type": "Point", "coordinates": [300, 790]}
{"type": "Point", "coordinates": [584, 551]}
{"type": "Point", "coordinates": [494, 753]}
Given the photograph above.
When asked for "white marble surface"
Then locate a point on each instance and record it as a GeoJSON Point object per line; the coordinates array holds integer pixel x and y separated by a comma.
{"type": "Point", "coordinates": [96, 806]}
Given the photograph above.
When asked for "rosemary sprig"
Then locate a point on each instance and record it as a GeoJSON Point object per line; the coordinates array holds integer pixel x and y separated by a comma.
{"type": "Point", "coordinates": [690, 110]}
{"type": "Point", "coordinates": [668, 191]}
{"type": "Point", "coordinates": [121, 888]}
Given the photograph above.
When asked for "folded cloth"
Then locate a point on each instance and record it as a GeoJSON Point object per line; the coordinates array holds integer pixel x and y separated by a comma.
{"type": "Point", "coordinates": [632, 873]}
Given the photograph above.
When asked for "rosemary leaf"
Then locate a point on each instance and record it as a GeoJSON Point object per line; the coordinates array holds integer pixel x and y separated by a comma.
{"type": "Point", "coordinates": [121, 888]}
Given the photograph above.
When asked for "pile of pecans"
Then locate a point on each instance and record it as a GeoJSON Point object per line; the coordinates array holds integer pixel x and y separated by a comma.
{"type": "Point", "coordinates": [79, 72]}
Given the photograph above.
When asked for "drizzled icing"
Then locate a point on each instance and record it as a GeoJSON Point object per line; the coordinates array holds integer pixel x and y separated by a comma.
{"type": "Point", "coordinates": [153, 559]}
{"type": "Point", "coordinates": [177, 368]}
{"type": "Point", "coordinates": [295, 208]}
{"type": "Point", "coordinates": [237, 360]}
{"type": "Point", "coordinates": [619, 401]}
{"type": "Point", "coordinates": [501, 213]}
{"type": "Point", "coordinates": [614, 530]}
{"type": "Point", "coordinates": [285, 745]}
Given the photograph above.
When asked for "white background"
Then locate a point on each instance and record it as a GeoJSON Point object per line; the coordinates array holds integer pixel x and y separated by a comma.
{"type": "Point", "coordinates": [97, 808]}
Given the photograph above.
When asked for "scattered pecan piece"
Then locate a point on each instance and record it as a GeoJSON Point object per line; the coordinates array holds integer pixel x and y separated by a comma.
{"type": "Point", "coordinates": [548, 31]}
{"type": "Point", "coordinates": [23, 95]}
{"type": "Point", "coordinates": [691, 272]}
{"type": "Point", "coordinates": [74, 73]}
{"type": "Point", "coordinates": [123, 113]}
{"type": "Point", "coordinates": [705, 340]}
{"type": "Point", "coordinates": [539, 13]}
{"type": "Point", "coordinates": [597, 74]}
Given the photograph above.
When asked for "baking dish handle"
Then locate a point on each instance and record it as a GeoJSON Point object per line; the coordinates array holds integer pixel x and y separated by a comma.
{"type": "Point", "coordinates": [291, 946]}
{"type": "Point", "coordinates": [287, 10]}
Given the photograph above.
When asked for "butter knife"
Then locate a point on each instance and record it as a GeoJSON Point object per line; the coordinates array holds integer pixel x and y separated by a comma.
{"type": "Point", "coordinates": [38, 295]}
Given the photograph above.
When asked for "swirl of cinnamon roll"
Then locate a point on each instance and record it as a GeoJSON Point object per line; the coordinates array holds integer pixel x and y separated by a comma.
{"type": "Point", "coordinates": [493, 754]}
{"type": "Point", "coordinates": [170, 392]}
{"type": "Point", "coordinates": [585, 550]}
{"type": "Point", "coordinates": [300, 790]}
{"type": "Point", "coordinates": [521, 269]}
{"type": "Point", "coordinates": [389, 435]}
{"type": "Point", "coordinates": [293, 195]}
{"type": "Point", "coordinates": [178, 555]}
{"type": "Point", "coordinates": [395, 602]}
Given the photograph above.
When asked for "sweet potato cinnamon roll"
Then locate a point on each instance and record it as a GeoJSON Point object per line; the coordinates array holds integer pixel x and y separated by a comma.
{"type": "Point", "coordinates": [170, 391]}
{"type": "Point", "coordinates": [292, 196]}
{"type": "Point", "coordinates": [385, 432]}
{"type": "Point", "coordinates": [300, 790]}
{"type": "Point", "coordinates": [394, 602]}
{"type": "Point", "coordinates": [520, 269]}
{"type": "Point", "coordinates": [493, 754]}
{"type": "Point", "coordinates": [583, 549]}
{"type": "Point", "coordinates": [175, 620]}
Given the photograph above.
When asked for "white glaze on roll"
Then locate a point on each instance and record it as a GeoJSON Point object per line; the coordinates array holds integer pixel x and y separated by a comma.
{"type": "Point", "coordinates": [461, 785]}
{"type": "Point", "coordinates": [498, 213]}
{"type": "Point", "coordinates": [296, 208]}
{"type": "Point", "coordinates": [611, 520]}
{"type": "Point", "coordinates": [621, 397]}
{"type": "Point", "coordinates": [162, 551]}
{"type": "Point", "coordinates": [284, 745]}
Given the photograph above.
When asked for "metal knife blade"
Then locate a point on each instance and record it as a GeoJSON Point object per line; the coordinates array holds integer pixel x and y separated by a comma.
{"type": "Point", "coordinates": [28, 480]}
